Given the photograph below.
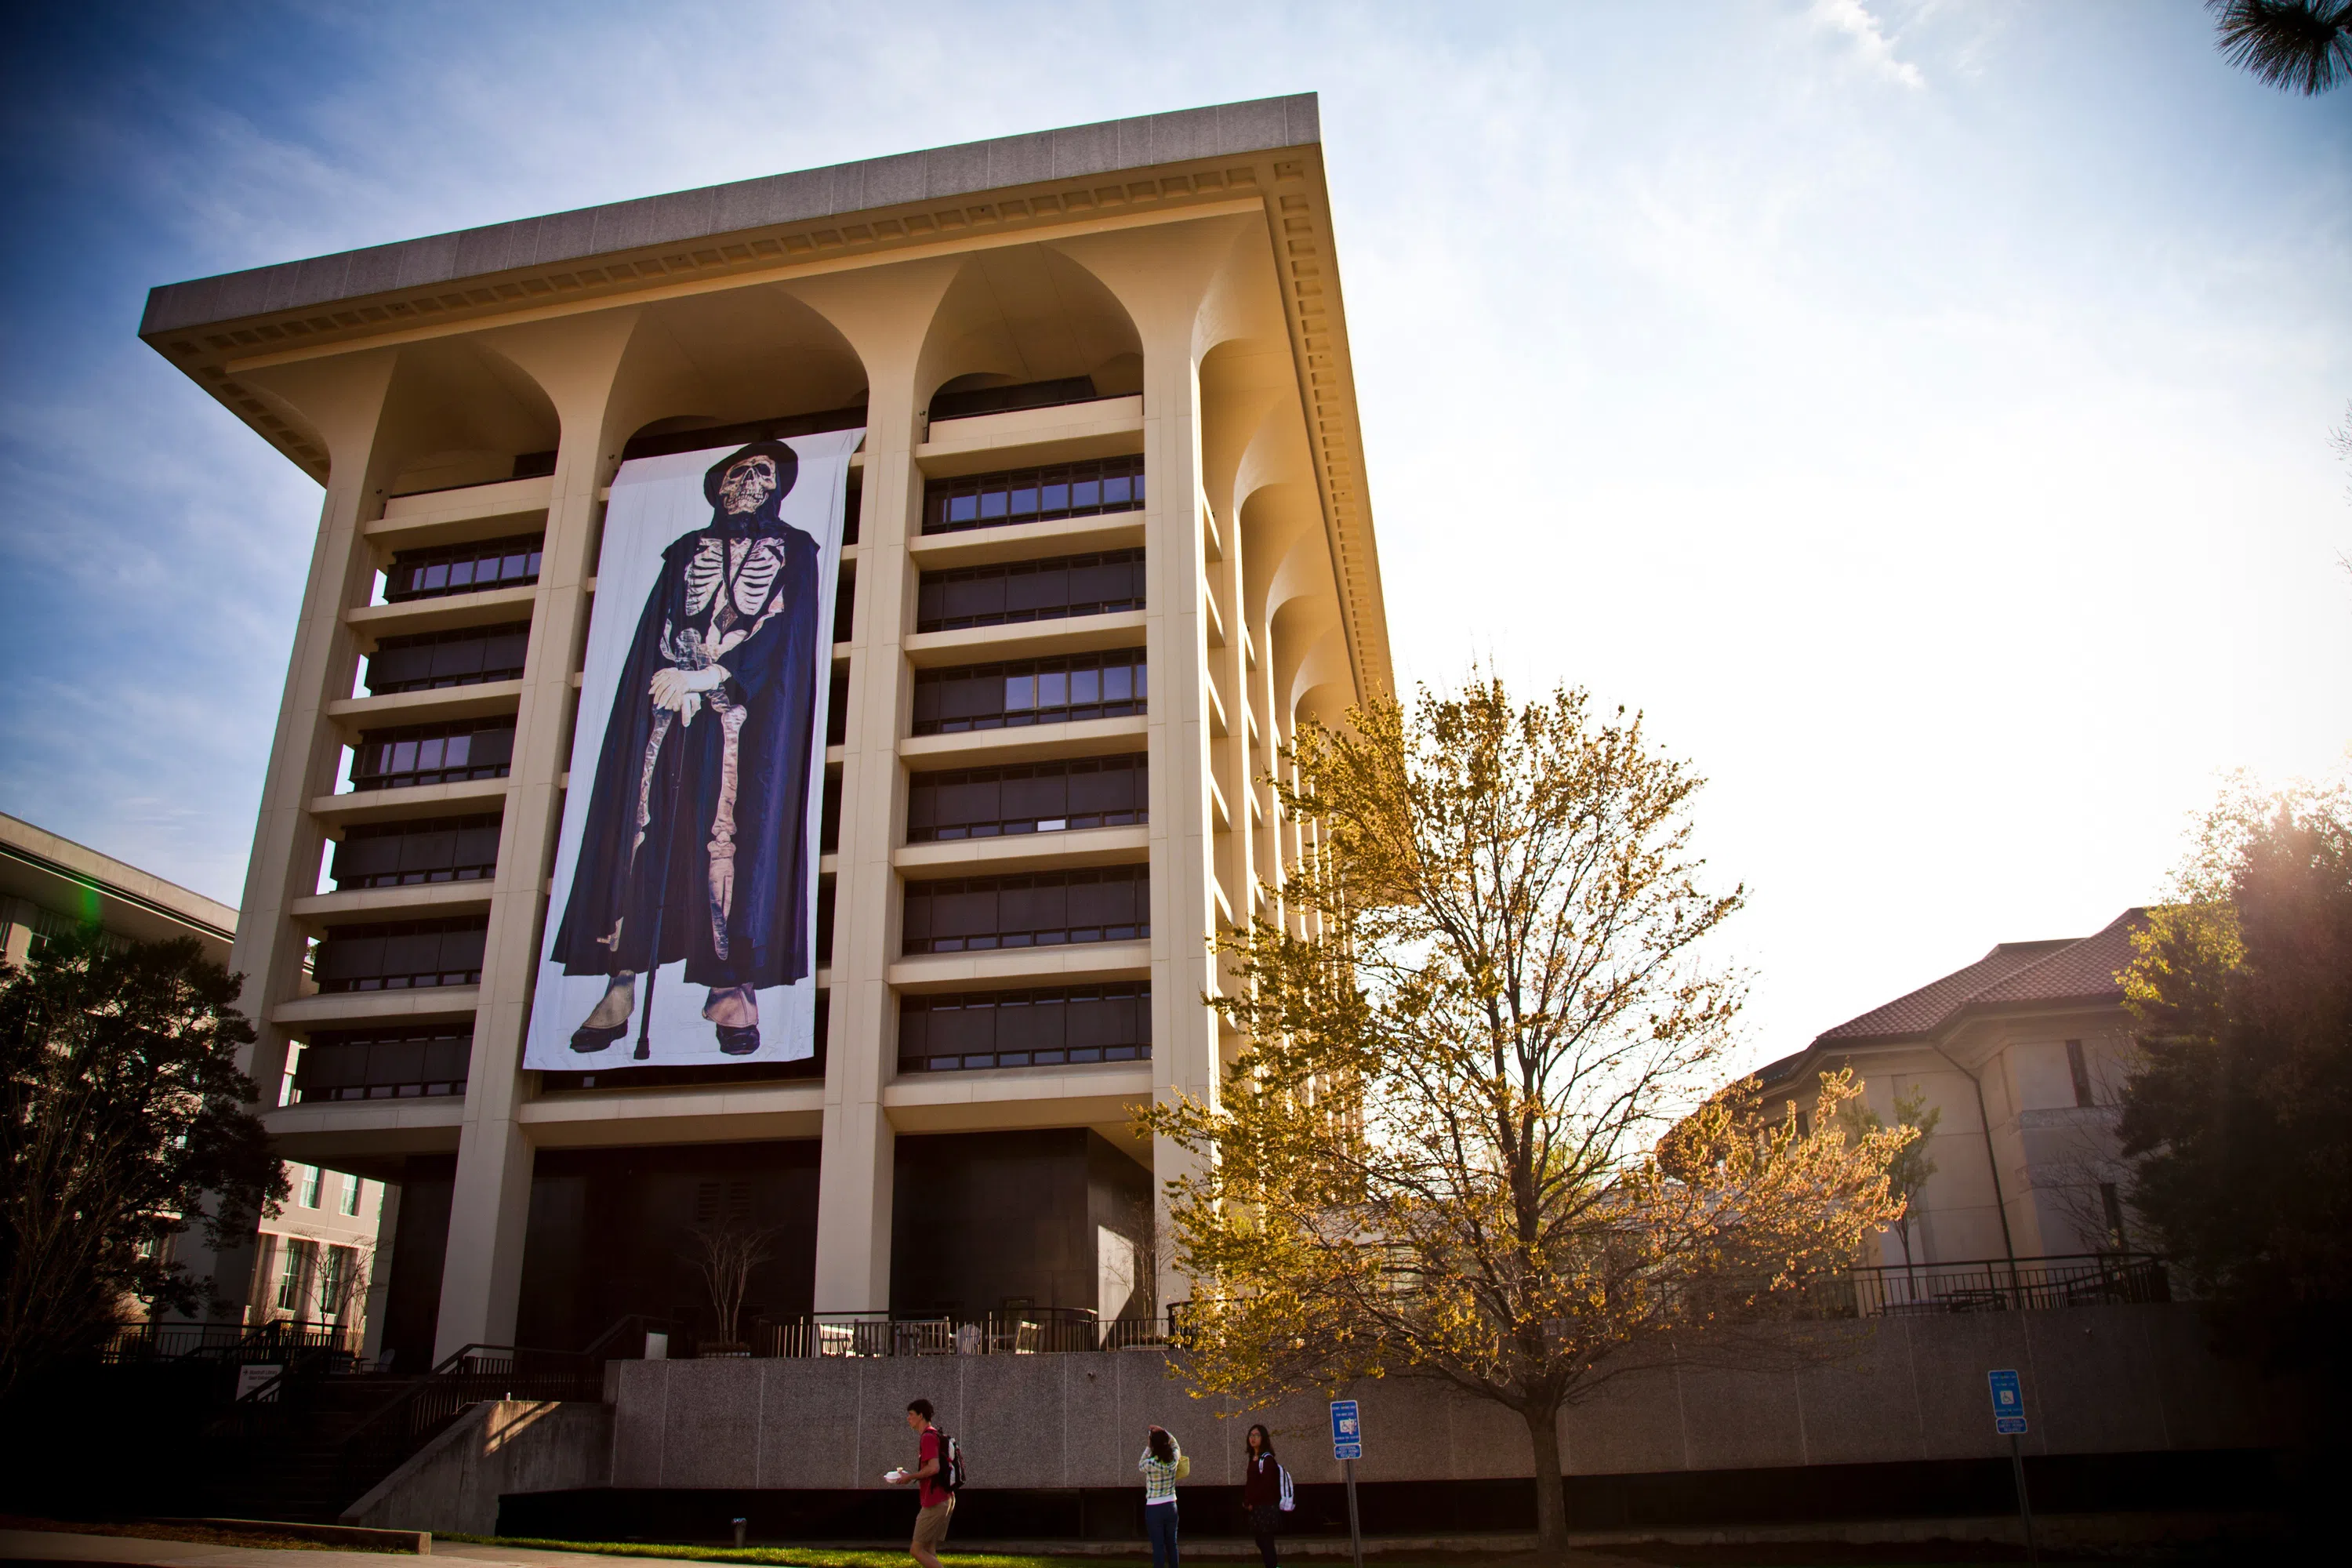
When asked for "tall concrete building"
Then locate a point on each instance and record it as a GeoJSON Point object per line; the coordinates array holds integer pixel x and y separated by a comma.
{"type": "Point", "coordinates": [1108, 543]}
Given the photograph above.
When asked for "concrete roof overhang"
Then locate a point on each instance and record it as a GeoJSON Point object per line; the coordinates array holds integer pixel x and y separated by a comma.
{"type": "Point", "coordinates": [1264, 154]}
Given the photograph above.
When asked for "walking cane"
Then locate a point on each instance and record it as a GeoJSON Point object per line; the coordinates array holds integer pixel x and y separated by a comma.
{"type": "Point", "coordinates": [661, 902]}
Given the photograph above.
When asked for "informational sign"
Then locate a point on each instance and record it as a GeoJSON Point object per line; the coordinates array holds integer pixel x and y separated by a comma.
{"type": "Point", "coordinates": [255, 1375]}
{"type": "Point", "coordinates": [683, 928]}
{"type": "Point", "coordinates": [2008, 1404]}
{"type": "Point", "coordinates": [1347, 1430]}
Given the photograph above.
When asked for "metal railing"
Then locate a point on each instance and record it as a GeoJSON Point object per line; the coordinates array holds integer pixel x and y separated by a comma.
{"type": "Point", "coordinates": [1036, 1330]}
{"type": "Point", "coordinates": [235, 1344]}
{"type": "Point", "coordinates": [2008, 1285]}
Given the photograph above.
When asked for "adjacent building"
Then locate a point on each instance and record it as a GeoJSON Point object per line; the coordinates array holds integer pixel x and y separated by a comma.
{"type": "Point", "coordinates": [2023, 1053]}
{"type": "Point", "coordinates": [1108, 544]}
{"type": "Point", "coordinates": [316, 1257]}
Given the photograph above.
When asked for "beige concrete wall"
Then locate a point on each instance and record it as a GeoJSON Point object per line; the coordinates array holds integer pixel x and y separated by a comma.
{"type": "Point", "coordinates": [2097, 1380]}
{"type": "Point", "coordinates": [500, 1446]}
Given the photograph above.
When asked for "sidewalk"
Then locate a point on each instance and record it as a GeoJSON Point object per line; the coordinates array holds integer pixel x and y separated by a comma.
{"type": "Point", "coordinates": [57, 1546]}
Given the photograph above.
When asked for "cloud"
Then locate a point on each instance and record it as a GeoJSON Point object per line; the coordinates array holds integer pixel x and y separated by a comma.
{"type": "Point", "coordinates": [1876, 50]}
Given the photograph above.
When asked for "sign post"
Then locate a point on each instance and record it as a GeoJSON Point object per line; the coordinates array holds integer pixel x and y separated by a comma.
{"type": "Point", "coordinates": [2008, 1420]}
{"type": "Point", "coordinates": [1347, 1446]}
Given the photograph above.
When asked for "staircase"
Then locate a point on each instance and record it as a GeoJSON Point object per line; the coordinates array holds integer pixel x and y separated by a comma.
{"type": "Point", "coordinates": [310, 1445]}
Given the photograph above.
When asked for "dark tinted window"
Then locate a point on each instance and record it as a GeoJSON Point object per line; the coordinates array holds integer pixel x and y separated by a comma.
{"type": "Point", "coordinates": [384, 1064]}
{"type": "Point", "coordinates": [1019, 591]}
{"type": "Point", "coordinates": [1006, 399]}
{"type": "Point", "coordinates": [1033, 797]}
{"type": "Point", "coordinates": [1053, 1028]}
{"type": "Point", "coordinates": [433, 753]}
{"type": "Point", "coordinates": [462, 568]}
{"type": "Point", "coordinates": [400, 955]}
{"type": "Point", "coordinates": [1033, 495]}
{"type": "Point", "coordinates": [408, 854]}
{"type": "Point", "coordinates": [1030, 691]}
{"type": "Point", "coordinates": [466, 657]}
{"type": "Point", "coordinates": [1043, 909]}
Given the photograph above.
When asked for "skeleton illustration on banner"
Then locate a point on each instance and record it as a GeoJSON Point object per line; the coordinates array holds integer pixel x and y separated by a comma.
{"type": "Point", "coordinates": [687, 866]}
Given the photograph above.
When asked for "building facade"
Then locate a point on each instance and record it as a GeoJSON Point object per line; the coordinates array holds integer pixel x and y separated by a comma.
{"type": "Point", "coordinates": [1108, 544]}
{"type": "Point", "coordinates": [2023, 1054]}
{"type": "Point", "coordinates": [315, 1255]}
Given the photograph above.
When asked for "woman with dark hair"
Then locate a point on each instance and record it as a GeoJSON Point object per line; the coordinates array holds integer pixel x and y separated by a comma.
{"type": "Point", "coordinates": [1266, 1490]}
{"type": "Point", "coordinates": [1163, 1465]}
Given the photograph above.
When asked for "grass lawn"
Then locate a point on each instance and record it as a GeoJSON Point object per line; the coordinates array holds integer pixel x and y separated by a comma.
{"type": "Point", "coordinates": [1943, 1554]}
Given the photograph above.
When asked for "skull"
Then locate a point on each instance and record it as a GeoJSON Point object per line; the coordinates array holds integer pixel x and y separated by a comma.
{"type": "Point", "coordinates": [747, 484]}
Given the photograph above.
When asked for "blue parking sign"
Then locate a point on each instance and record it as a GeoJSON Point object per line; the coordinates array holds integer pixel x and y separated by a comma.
{"type": "Point", "coordinates": [1347, 1430]}
{"type": "Point", "coordinates": [2008, 1402]}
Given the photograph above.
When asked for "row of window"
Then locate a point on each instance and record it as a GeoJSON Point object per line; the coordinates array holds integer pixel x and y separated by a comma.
{"type": "Point", "coordinates": [1037, 1026]}
{"type": "Point", "coordinates": [402, 955]}
{"type": "Point", "coordinates": [511, 562]}
{"type": "Point", "coordinates": [943, 806]}
{"type": "Point", "coordinates": [1043, 909]}
{"type": "Point", "coordinates": [1087, 489]}
{"type": "Point", "coordinates": [1020, 591]}
{"type": "Point", "coordinates": [1064, 690]}
{"type": "Point", "coordinates": [312, 1189]}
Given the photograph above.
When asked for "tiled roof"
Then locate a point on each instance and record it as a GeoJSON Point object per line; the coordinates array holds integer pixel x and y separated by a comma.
{"type": "Point", "coordinates": [1920, 1011]}
{"type": "Point", "coordinates": [2013, 975]}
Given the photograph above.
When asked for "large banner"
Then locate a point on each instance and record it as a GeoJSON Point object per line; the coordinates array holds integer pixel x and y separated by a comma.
{"type": "Point", "coordinates": [684, 924]}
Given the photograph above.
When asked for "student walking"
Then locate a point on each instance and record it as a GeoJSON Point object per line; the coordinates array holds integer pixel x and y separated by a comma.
{"type": "Point", "coordinates": [934, 1480]}
{"type": "Point", "coordinates": [1266, 1490]}
{"type": "Point", "coordinates": [1163, 1465]}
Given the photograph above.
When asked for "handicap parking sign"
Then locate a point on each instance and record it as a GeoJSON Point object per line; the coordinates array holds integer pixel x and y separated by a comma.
{"type": "Point", "coordinates": [1347, 1430]}
{"type": "Point", "coordinates": [2008, 1402]}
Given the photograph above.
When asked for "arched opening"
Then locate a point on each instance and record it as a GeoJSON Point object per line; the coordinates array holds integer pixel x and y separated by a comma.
{"type": "Point", "coordinates": [1026, 328]}
{"type": "Point", "coordinates": [459, 413]}
{"type": "Point", "coordinates": [736, 364]}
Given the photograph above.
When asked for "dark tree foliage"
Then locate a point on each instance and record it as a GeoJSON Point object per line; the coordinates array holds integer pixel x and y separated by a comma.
{"type": "Point", "coordinates": [2304, 45]}
{"type": "Point", "coordinates": [125, 1120]}
{"type": "Point", "coordinates": [2238, 1122]}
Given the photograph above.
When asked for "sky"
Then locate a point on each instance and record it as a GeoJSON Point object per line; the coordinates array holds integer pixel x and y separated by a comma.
{"type": "Point", "coordinates": [1920, 412]}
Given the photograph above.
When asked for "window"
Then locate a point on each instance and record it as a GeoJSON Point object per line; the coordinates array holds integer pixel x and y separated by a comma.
{"type": "Point", "coordinates": [2111, 1203]}
{"type": "Point", "coordinates": [1037, 797]}
{"type": "Point", "coordinates": [2080, 1072]}
{"type": "Point", "coordinates": [1054, 1027]}
{"type": "Point", "coordinates": [836, 708]}
{"type": "Point", "coordinates": [293, 1263]}
{"type": "Point", "coordinates": [462, 568]}
{"type": "Point", "coordinates": [311, 1179]}
{"type": "Point", "coordinates": [353, 1187]}
{"type": "Point", "coordinates": [1033, 495]}
{"type": "Point", "coordinates": [433, 753]}
{"type": "Point", "coordinates": [427, 1061]}
{"type": "Point", "coordinates": [1030, 691]}
{"type": "Point", "coordinates": [334, 1280]}
{"type": "Point", "coordinates": [965, 403]}
{"type": "Point", "coordinates": [400, 955]}
{"type": "Point", "coordinates": [425, 661]}
{"type": "Point", "coordinates": [409, 853]}
{"type": "Point", "coordinates": [1049, 908]}
{"type": "Point", "coordinates": [845, 603]}
{"type": "Point", "coordinates": [1020, 591]}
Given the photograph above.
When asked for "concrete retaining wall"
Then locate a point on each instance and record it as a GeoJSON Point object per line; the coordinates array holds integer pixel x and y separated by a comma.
{"type": "Point", "coordinates": [453, 1484]}
{"type": "Point", "coordinates": [2097, 1380]}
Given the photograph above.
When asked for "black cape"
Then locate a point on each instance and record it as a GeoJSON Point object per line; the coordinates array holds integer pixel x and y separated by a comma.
{"type": "Point", "coordinates": [622, 890]}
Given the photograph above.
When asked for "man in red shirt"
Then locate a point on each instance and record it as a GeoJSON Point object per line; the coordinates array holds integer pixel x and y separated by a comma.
{"type": "Point", "coordinates": [937, 1501]}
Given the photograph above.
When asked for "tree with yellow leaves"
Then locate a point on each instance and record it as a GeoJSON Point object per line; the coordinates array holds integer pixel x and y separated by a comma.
{"type": "Point", "coordinates": [1468, 1135]}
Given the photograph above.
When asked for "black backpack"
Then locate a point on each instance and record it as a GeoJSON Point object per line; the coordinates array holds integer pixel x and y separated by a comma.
{"type": "Point", "coordinates": [950, 1471]}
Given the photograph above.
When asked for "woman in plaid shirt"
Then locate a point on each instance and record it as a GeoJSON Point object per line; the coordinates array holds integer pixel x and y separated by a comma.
{"type": "Point", "coordinates": [1163, 1465]}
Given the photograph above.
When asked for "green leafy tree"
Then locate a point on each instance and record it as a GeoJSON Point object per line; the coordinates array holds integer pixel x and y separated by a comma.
{"type": "Point", "coordinates": [1470, 1135]}
{"type": "Point", "coordinates": [126, 1120]}
{"type": "Point", "coordinates": [2304, 45]}
{"type": "Point", "coordinates": [2237, 1118]}
{"type": "Point", "coordinates": [1908, 1170]}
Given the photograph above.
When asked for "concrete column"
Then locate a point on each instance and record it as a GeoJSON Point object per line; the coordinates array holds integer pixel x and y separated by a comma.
{"type": "Point", "coordinates": [887, 318]}
{"type": "Point", "coordinates": [481, 1273]}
